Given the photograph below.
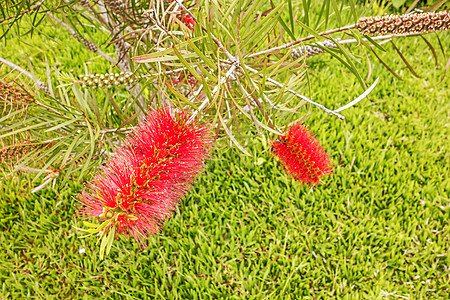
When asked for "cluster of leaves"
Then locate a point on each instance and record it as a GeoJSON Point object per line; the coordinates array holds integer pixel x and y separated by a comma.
{"type": "Point", "coordinates": [229, 63]}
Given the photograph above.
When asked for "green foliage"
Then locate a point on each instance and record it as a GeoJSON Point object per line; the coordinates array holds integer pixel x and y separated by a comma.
{"type": "Point", "coordinates": [234, 70]}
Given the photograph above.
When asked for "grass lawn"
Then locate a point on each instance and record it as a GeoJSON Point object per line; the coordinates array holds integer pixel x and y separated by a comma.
{"type": "Point", "coordinates": [378, 227]}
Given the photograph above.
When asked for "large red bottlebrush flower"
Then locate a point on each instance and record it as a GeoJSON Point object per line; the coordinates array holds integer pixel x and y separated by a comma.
{"type": "Point", "coordinates": [301, 155]}
{"type": "Point", "coordinates": [142, 183]}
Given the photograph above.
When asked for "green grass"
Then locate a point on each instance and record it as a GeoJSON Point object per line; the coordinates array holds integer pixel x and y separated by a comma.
{"type": "Point", "coordinates": [380, 223]}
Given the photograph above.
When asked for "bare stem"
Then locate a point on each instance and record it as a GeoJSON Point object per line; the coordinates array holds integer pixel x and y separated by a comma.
{"type": "Point", "coordinates": [219, 43]}
{"type": "Point", "coordinates": [235, 63]}
{"type": "Point", "coordinates": [114, 130]}
{"type": "Point", "coordinates": [73, 33]}
{"type": "Point", "coordinates": [39, 84]}
{"type": "Point", "coordinates": [378, 38]}
{"type": "Point", "coordinates": [299, 41]}
{"type": "Point", "coordinates": [51, 109]}
{"type": "Point", "coordinates": [297, 94]}
{"type": "Point", "coordinates": [34, 7]}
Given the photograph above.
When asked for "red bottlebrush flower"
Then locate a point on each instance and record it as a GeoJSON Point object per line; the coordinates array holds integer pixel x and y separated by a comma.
{"type": "Point", "coordinates": [190, 23]}
{"type": "Point", "coordinates": [301, 155]}
{"type": "Point", "coordinates": [143, 182]}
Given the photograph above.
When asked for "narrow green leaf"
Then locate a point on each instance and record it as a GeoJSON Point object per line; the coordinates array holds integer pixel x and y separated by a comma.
{"type": "Point", "coordinates": [248, 18]}
{"type": "Point", "coordinates": [71, 147]}
{"type": "Point", "coordinates": [42, 124]}
{"type": "Point", "coordinates": [411, 69]}
{"type": "Point", "coordinates": [350, 64]}
{"type": "Point", "coordinates": [50, 160]}
{"type": "Point", "coordinates": [61, 125]}
{"type": "Point", "coordinates": [373, 42]}
{"type": "Point", "coordinates": [337, 12]}
{"type": "Point", "coordinates": [179, 96]}
{"type": "Point", "coordinates": [11, 115]}
{"type": "Point", "coordinates": [291, 15]}
{"type": "Point", "coordinates": [202, 56]}
{"type": "Point", "coordinates": [234, 5]}
{"type": "Point", "coordinates": [110, 241]}
{"type": "Point", "coordinates": [232, 37]}
{"type": "Point", "coordinates": [447, 65]}
{"type": "Point", "coordinates": [264, 25]}
{"type": "Point", "coordinates": [231, 136]}
{"type": "Point", "coordinates": [88, 224]}
{"type": "Point", "coordinates": [80, 229]}
{"type": "Point", "coordinates": [386, 66]}
{"type": "Point", "coordinates": [305, 12]}
{"type": "Point", "coordinates": [436, 5]}
{"type": "Point", "coordinates": [92, 144]}
{"type": "Point", "coordinates": [103, 245]}
{"type": "Point", "coordinates": [286, 28]}
{"type": "Point", "coordinates": [353, 10]}
{"type": "Point", "coordinates": [432, 49]}
{"type": "Point", "coordinates": [81, 100]}
{"type": "Point", "coordinates": [117, 109]}
{"type": "Point", "coordinates": [206, 73]}
{"type": "Point", "coordinates": [145, 58]}
{"type": "Point", "coordinates": [187, 64]}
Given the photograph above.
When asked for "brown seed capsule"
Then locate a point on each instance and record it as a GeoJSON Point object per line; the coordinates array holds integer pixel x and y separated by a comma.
{"type": "Point", "coordinates": [14, 152]}
{"type": "Point", "coordinates": [88, 44]}
{"type": "Point", "coordinates": [11, 93]}
{"type": "Point", "coordinates": [398, 24]}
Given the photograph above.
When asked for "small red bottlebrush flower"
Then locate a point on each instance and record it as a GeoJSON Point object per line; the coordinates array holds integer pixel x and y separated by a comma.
{"type": "Point", "coordinates": [190, 23]}
{"type": "Point", "coordinates": [143, 182]}
{"type": "Point", "coordinates": [301, 155]}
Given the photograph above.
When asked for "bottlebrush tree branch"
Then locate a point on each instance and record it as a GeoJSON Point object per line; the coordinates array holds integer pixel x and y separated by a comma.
{"type": "Point", "coordinates": [34, 7]}
{"type": "Point", "coordinates": [297, 94]}
{"type": "Point", "coordinates": [88, 44]}
{"type": "Point", "coordinates": [302, 40]}
{"type": "Point", "coordinates": [40, 84]}
{"type": "Point", "coordinates": [228, 70]}
{"type": "Point", "coordinates": [399, 26]}
{"type": "Point", "coordinates": [236, 63]}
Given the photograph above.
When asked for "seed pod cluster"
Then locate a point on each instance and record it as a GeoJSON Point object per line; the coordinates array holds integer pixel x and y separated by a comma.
{"type": "Point", "coordinates": [118, 7]}
{"type": "Point", "coordinates": [9, 154]}
{"type": "Point", "coordinates": [84, 3]}
{"type": "Point", "coordinates": [88, 44]}
{"type": "Point", "coordinates": [12, 93]}
{"type": "Point", "coordinates": [399, 24]}
{"type": "Point", "coordinates": [310, 50]}
{"type": "Point", "coordinates": [43, 87]}
{"type": "Point", "coordinates": [107, 80]}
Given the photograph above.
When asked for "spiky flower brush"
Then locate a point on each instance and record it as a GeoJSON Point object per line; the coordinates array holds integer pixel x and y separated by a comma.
{"type": "Point", "coordinates": [301, 155]}
{"type": "Point", "coordinates": [143, 182]}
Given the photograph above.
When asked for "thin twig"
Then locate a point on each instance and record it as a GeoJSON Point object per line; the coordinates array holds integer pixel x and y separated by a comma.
{"type": "Point", "coordinates": [296, 94]}
{"type": "Point", "coordinates": [377, 38]}
{"type": "Point", "coordinates": [36, 6]}
{"type": "Point", "coordinates": [96, 17]}
{"type": "Point", "coordinates": [39, 84]}
{"type": "Point", "coordinates": [235, 63]}
{"type": "Point", "coordinates": [73, 33]}
{"type": "Point", "coordinates": [114, 130]}
{"type": "Point", "coordinates": [219, 43]}
{"type": "Point", "coordinates": [299, 41]}
{"type": "Point", "coordinates": [51, 109]}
